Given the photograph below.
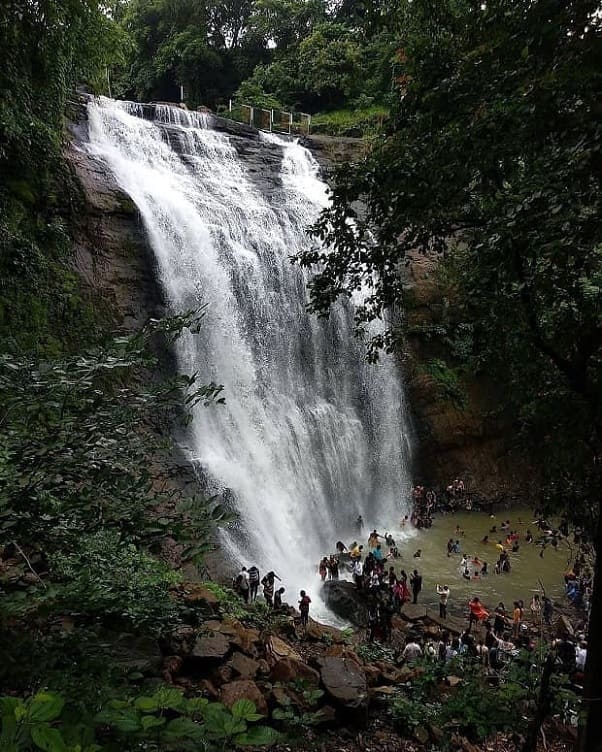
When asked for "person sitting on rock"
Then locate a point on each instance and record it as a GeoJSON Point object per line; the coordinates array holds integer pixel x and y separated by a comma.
{"type": "Point", "coordinates": [418, 554]}
{"type": "Point", "coordinates": [340, 547]}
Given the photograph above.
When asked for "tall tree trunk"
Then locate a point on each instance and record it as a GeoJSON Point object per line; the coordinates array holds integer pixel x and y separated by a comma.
{"type": "Point", "coordinates": [591, 736]}
{"type": "Point", "coordinates": [543, 705]}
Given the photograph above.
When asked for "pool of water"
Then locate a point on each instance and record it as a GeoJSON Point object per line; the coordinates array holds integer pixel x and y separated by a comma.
{"type": "Point", "coordinates": [529, 571]}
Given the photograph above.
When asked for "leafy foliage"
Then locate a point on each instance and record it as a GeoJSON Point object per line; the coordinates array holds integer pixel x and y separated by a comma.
{"type": "Point", "coordinates": [165, 719]}
{"type": "Point", "coordinates": [492, 159]}
{"type": "Point", "coordinates": [46, 48]}
{"type": "Point", "coordinates": [80, 503]}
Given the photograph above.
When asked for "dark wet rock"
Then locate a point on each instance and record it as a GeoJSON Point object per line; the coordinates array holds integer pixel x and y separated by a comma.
{"type": "Point", "coordinates": [289, 669]}
{"type": "Point", "coordinates": [222, 675]}
{"type": "Point", "coordinates": [211, 646]}
{"type": "Point", "coordinates": [346, 601]}
{"type": "Point", "coordinates": [180, 641]}
{"type": "Point", "coordinates": [135, 654]}
{"type": "Point", "coordinates": [243, 689]}
{"type": "Point", "coordinates": [323, 632]}
{"type": "Point", "coordinates": [344, 682]}
{"type": "Point", "coordinates": [243, 666]}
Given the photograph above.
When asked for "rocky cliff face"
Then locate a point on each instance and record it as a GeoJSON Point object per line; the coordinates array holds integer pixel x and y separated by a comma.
{"type": "Point", "coordinates": [111, 254]}
{"type": "Point", "coordinates": [114, 260]}
{"type": "Point", "coordinates": [459, 429]}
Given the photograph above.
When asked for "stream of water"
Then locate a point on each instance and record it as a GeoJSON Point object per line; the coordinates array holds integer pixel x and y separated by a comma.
{"type": "Point", "coordinates": [310, 435]}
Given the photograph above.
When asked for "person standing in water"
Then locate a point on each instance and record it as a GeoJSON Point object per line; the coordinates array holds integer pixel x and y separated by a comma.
{"type": "Point", "coordinates": [416, 585]}
{"type": "Point", "coordinates": [443, 593]}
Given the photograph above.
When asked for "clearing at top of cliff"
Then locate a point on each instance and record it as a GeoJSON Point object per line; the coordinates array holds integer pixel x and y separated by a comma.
{"type": "Point", "coordinates": [310, 435]}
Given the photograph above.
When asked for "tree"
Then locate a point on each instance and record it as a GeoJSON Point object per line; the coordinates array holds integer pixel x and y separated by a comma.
{"type": "Point", "coordinates": [493, 159]}
{"type": "Point", "coordinates": [46, 48]}
{"type": "Point", "coordinates": [330, 65]}
{"type": "Point", "coordinates": [82, 507]}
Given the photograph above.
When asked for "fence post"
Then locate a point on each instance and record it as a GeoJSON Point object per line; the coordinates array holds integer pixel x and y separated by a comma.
{"type": "Point", "coordinates": [290, 123]}
{"type": "Point", "coordinates": [251, 115]}
{"type": "Point", "coordinates": [229, 105]}
{"type": "Point", "coordinates": [308, 124]}
{"type": "Point", "coordinates": [271, 120]}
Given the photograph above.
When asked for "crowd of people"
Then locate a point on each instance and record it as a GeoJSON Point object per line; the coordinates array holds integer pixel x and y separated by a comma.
{"type": "Point", "coordinates": [491, 637]}
{"type": "Point", "coordinates": [247, 582]}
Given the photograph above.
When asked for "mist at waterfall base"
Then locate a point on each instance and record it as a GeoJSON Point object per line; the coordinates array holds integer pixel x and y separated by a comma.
{"type": "Point", "coordinates": [310, 436]}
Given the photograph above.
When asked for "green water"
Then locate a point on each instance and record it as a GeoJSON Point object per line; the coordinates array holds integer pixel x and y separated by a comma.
{"type": "Point", "coordinates": [528, 569]}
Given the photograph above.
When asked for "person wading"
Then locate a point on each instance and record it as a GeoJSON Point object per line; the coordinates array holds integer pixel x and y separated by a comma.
{"type": "Point", "coordinates": [416, 585]}
{"type": "Point", "coordinates": [443, 593]}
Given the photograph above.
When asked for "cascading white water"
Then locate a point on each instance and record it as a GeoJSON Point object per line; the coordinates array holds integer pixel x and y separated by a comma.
{"type": "Point", "coordinates": [310, 436]}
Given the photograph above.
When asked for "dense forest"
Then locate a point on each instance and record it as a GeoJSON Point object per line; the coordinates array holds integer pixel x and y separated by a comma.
{"type": "Point", "coordinates": [482, 127]}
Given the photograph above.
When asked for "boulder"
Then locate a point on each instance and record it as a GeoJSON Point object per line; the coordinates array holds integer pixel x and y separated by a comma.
{"type": "Point", "coordinates": [373, 675]}
{"type": "Point", "coordinates": [243, 689]}
{"type": "Point", "coordinates": [222, 674]}
{"type": "Point", "coordinates": [346, 601]}
{"type": "Point", "coordinates": [413, 611]}
{"type": "Point", "coordinates": [244, 638]}
{"type": "Point", "coordinates": [134, 654]}
{"type": "Point", "coordinates": [243, 666]}
{"type": "Point", "coordinates": [208, 689]}
{"type": "Point", "coordinates": [180, 641]}
{"type": "Point", "coordinates": [564, 626]}
{"type": "Point", "coordinates": [344, 682]}
{"type": "Point", "coordinates": [324, 633]}
{"type": "Point", "coordinates": [282, 650]}
{"type": "Point", "coordinates": [289, 669]}
{"type": "Point", "coordinates": [199, 595]}
{"type": "Point", "coordinates": [211, 646]}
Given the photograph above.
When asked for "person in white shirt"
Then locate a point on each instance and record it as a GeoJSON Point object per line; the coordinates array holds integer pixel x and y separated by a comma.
{"type": "Point", "coordinates": [412, 651]}
{"type": "Point", "coordinates": [581, 656]}
{"type": "Point", "coordinates": [443, 593]}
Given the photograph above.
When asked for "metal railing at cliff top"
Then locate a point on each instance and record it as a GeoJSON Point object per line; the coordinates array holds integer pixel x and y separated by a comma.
{"type": "Point", "coordinates": [273, 121]}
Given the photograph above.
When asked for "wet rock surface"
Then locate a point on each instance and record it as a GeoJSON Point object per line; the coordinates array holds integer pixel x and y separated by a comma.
{"type": "Point", "coordinates": [344, 599]}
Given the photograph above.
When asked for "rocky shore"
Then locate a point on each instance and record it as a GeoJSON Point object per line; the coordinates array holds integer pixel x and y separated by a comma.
{"type": "Point", "coordinates": [329, 684]}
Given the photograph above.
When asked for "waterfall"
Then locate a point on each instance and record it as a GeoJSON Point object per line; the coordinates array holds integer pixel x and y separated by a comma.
{"type": "Point", "coordinates": [311, 435]}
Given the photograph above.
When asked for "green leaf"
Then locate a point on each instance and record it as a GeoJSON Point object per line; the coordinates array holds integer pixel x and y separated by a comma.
{"type": "Point", "coordinates": [258, 736]}
{"type": "Point", "coordinates": [45, 706]}
{"type": "Point", "coordinates": [152, 721]}
{"type": "Point", "coordinates": [147, 704]}
{"type": "Point", "coordinates": [170, 698]}
{"type": "Point", "coordinates": [196, 705]}
{"type": "Point", "coordinates": [245, 709]}
{"type": "Point", "coordinates": [183, 728]}
{"type": "Point", "coordinates": [234, 726]}
{"type": "Point", "coordinates": [47, 738]}
{"type": "Point", "coordinates": [8, 706]}
{"type": "Point", "coordinates": [279, 714]}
